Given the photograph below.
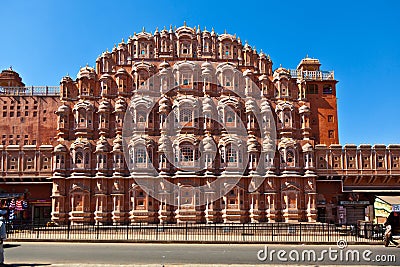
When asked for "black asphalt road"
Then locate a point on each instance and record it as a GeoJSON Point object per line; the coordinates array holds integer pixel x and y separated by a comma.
{"type": "Point", "coordinates": [44, 254]}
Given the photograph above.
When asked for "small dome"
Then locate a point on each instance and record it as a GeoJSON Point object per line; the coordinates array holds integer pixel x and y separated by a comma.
{"type": "Point", "coordinates": [263, 77]}
{"type": "Point", "coordinates": [307, 148]}
{"type": "Point", "coordinates": [246, 47]}
{"type": "Point", "coordinates": [206, 65]}
{"type": "Point", "coordinates": [206, 68]}
{"type": "Point", "coordinates": [209, 144]}
{"type": "Point", "coordinates": [164, 65]}
{"type": "Point", "coordinates": [117, 143]}
{"type": "Point", "coordinates": [251, 106]}
{"type": "Point", "coordinates": [102, 145]}
{"type": "Point", "coordinates": [81, 142]}
{"type": "Point", "coordinates": [252, 143]}
{"type": "Point", "coordinates": [281, 71]}
{"type": "Point", "coordinates": [268, 145]}
{"type": "Point", "coordinates": [265, 107]}
{"type": "Point", "coordinates": [87, 72]}
{"type": "Point", "coordinates": [63, 109]}
{"type": "Point", "coordinates": [121, 71]}
{"type": "Point", "coordinates": [164, 105]}
{"type": "Point", "coordinates": [104, 106]}
{"type": "Point", "coordinates": [304, 109]}
{"type": "Point", "coordinates": [164, 143]}
{"type": "Point", "coordinates": [106, 54]}
{"type": "Point", "coordinates": [60, 148]}
{"type": "Point", "coordinates": [66, 79]}
{"type": "Point", "coordinates": [208, 104]}
{"type": "Point", "coordinates": [120, 105]}
{"type": "Point", "coordinates": [105, 76]}
{"type": "Point", "coordinates": [247, 72]}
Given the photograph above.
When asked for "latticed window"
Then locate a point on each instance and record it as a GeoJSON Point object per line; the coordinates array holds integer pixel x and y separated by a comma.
{"type": "Point", "coordinates": [228, 81]}
{"type": "Point", "coordinates": [186, 79]}
{"type": "Point", "coordinates": [140, 155]}
{"type": "Point", "coordinates": [290, 160]}
{"type": "Point", "coordinates": [78, 158]}
{"type": "Point", "coordinates": [141, 117]}
{"type": "Point", "coordinates": [185, 49]}
{"type": "Point", "coordinates": [230, 116]}
{"type": "Point", "coordinates": [185, 115]}
{"type": "Point", "coordinates": [232, 155]}
{"type": "Point", "coordinates": [186, 154]}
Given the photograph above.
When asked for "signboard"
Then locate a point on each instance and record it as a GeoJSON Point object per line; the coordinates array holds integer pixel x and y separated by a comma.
{"type": "Point", "coordinates": [396, 208]}
{"type": "Point", "coordinates": [354, 202]}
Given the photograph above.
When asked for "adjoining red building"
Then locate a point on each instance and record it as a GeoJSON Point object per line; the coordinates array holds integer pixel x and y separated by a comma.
{"type": "Point", "coordinates": [69, 146]}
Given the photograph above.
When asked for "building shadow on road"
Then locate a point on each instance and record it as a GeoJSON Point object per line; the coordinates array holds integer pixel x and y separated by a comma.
{"type": "Point", "coordinates": [10, 245]}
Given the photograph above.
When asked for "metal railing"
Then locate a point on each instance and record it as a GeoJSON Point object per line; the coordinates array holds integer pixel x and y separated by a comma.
{"type": "Point", "coordinates": [31, 90]}
{"type": "Point", "coordinates": [313, 75]}
{"type": "Point", "coordinates": [203, 233]}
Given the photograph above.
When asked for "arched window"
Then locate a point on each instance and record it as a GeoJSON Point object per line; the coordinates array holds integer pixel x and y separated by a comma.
{"type": "Point", "coordinates": [230, 116]}
{"type": "Point", "coordinates": [185, 115]}
{"type": "Point", "coordinates": [206, 47]}
{"type": "Point", "coordinates": [82, 117]}
{"type": "Point", "coordinates": [78, 158]}
{"type": "Point", "coordinates": [164, 47]}
{"type": "Point", "coordinates": [185, 49]}
{"type": "Point", "coordinates": [290, 159]}
{"type": "Point", "coordinates": [186, 78]}
{"type": "Point", "coordinates": [186, 153]}
{"type": "Point", "coordinates": [140, 155]}
{"type": "Point", "coordinates": [232, 155]}
{"type": "Point", "coordinates": [141, 118]}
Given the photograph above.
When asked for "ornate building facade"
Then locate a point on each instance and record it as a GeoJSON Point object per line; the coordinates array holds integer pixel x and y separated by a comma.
{"type": "Point", "coordinates": [186, 125]}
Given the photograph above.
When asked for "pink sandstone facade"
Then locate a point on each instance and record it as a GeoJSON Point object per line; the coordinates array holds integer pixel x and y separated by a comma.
{"type": "Point", "coordinates": [190, 72]}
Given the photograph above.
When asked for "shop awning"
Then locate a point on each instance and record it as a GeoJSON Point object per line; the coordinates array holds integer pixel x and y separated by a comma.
{"type": "Point", "coordinates": [392, 200]}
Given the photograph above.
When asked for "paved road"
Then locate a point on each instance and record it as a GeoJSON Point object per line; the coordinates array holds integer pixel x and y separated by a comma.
{"type": "Point", "coordinates": [117, 254]}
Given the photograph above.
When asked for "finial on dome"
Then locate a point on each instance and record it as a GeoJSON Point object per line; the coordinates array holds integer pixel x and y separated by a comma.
{"type": "Point", "coordinates": [224, 31]}
{"type": "Point", "coordinates": [205, 28]}
{"type": "Point", "coordinates": [280, 65]}
{"type": "Point", "coordinates": [11, 67]}
{"type": "Point", "coordinates": [165, 28]}
{"type": "Point", "coordinates": [143, 29]}
{"type": "Point", "coordinates": [184, 23]}
{"type": "Point", "coordinates": [123, 41]}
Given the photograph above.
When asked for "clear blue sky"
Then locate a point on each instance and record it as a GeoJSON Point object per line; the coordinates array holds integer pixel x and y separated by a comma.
{"type": "Point", "coordinates": [359, 40]}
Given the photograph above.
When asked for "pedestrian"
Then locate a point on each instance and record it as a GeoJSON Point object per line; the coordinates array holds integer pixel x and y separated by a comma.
{"type": "Point", "coordinates": [393, 227]}
{"type": "Point", "coordinates": [3, 235]}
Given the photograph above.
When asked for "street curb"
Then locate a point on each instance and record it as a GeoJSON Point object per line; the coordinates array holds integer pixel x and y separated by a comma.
{"type": "Point", "coordinates": [186, 242]}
